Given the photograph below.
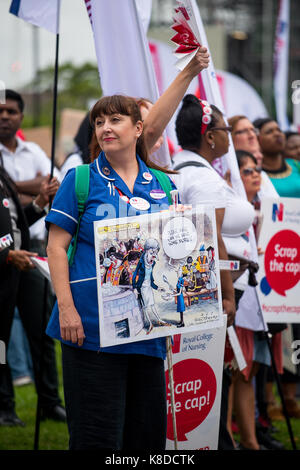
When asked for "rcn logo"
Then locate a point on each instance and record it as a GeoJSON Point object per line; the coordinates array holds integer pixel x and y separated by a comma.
{"type": "Point", "coordinates": [277, 212]}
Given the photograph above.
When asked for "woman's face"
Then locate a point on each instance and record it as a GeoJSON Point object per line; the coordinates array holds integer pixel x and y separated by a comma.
{"type": "Point", "coordinates": [271, 138]}
{"type": "Point", "coordinates": [244, 136]}
{"type": "Point", "coordinates": [292, 148]}
{"type": "Point", "coordinates": [220, 138]}
{"type": "Point", "coordinates": [251, 177]}
{"type": "Point", "coordinates": [117, 132]}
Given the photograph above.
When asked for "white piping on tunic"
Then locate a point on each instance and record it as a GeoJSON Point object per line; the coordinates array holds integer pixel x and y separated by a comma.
{"type": "Point", "coordinates": [103, 176]}
{"type": "Point", "coordinates": [67, 215]}
{"type": "Point", "coordinates": [83, 280]}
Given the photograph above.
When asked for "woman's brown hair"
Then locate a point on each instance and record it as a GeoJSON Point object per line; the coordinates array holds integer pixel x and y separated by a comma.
{"type": "Point", "coordinates": [128, 106]}
{"type": "Point", "coordinates": [235, 119]}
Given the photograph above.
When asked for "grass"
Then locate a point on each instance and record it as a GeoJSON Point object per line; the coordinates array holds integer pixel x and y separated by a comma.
{"type": "Point", "coordinates": [282, 433]}
{"type": "Point", "coordinates": [54, 435]}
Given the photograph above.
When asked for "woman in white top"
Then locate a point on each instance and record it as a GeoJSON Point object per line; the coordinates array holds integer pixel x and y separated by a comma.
{"type": "Point", "coordinates": [203, 143]}
{"type": "Point", "coordinates": [203, 135]}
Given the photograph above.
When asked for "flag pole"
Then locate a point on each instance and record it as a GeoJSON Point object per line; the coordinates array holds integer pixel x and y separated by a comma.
{"type": "Point", "coordinates": [276, 375]}
{"type": "Point", "coordinates": [171, 383]}
{"type": "Point", "coordinates": [46, 282]}
{"type": "Point", "coordinates": [54, 111]}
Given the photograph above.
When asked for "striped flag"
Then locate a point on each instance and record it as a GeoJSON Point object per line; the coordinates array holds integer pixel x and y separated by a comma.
{"type": "Point", "coordinates": [281, 60]}
{"type": "Point", "coordinates": [42, 13]}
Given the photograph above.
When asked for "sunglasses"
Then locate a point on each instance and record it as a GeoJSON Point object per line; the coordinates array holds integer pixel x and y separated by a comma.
{"type": "Point", "coordinates": [250, 171]}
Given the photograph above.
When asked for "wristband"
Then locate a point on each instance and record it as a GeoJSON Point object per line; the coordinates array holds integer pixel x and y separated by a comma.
{"type": "Point", "coordinates": [37, 208]}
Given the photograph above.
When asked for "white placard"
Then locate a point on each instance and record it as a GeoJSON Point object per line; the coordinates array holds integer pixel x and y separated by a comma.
{"type": "Point", "coordinates": [279, 266]}
{"type": "Point", "coordinates": [197, 369]}
{"type": "Point", "coordinates": [153, 269]}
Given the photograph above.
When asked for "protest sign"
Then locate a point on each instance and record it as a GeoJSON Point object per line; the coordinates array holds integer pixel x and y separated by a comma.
{"type": "Point", "coordinates": [157, 272]}
{"type": "Point", "coordinates": [279, 271]}
{"type": "Point", "coordinates": [197, 370]}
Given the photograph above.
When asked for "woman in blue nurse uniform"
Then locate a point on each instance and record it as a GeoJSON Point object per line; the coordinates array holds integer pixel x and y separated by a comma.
{"type": "Point", "coordinates": [115, 397]}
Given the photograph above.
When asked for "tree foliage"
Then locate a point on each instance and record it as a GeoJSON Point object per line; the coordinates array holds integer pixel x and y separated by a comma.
{"type": "Point", "coordinates": [78, 86]}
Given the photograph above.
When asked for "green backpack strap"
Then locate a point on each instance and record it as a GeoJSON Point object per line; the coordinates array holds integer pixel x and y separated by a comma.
{"type": "Point", "coordinates": [82, 184]}
{"type": "Point", "coordinates": [164, 181]}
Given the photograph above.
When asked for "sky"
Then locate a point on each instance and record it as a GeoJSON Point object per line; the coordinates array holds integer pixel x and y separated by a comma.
{"type": "Point", "coordinates": [18, 56]}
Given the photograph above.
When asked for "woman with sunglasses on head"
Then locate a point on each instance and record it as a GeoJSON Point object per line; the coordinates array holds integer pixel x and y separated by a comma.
{"type": "Point", "coordinates": [116, 396]}
{"type": "Point", "coordinates": [203, 135]}
{"type": "Point", "coordinates": [250, 173]}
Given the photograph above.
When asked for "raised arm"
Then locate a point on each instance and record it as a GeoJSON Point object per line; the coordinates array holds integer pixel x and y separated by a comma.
{"type": "Point", "coordinates": [164, 108]}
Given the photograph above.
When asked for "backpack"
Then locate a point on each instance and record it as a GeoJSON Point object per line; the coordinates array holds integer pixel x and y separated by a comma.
{"type": "Point", "coordinates": [191, 163]}
{"type": "Point", "coordinates": [82, 184]}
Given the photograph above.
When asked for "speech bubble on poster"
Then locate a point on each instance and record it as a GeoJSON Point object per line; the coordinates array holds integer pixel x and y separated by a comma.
{"type": "Point", "coordinates": [195, 392]}
{"type": "Point", "coordinates": [282, 261]}
{"type": "Point", "coordinates": [179, 237]}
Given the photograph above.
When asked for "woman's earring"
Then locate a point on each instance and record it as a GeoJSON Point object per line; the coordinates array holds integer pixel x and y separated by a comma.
{"type": "Point", "coordinates": [213, 145]}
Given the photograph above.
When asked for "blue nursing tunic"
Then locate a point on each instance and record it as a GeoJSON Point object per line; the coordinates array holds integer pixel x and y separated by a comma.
{"type": "Point", "coordinates": [108, 198]}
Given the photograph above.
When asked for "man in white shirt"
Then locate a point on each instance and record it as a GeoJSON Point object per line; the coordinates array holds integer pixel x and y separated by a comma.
{"type": "Point", "coordinates": [28, 165]}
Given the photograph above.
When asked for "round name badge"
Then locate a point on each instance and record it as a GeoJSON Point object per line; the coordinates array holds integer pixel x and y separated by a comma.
{"type": "Point", "coordinates": [5, 202]}
{"type": "Point", "coordinates": [157, 194]}
{"type": "Point", "coordinates": [139, 203]}
{"type": "Point", "coordinates": [147, 176]}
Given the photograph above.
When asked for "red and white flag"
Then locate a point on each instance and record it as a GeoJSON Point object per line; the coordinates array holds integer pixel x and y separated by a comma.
{"type": "Point", "coordinates": [210, 91]}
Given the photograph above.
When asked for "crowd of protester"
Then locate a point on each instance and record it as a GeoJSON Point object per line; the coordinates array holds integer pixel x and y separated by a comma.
{"type": "Point", "coordinates": [269, 166]}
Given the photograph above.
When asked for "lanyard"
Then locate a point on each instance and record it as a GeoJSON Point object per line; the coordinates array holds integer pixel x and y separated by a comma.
{"type": "Point", "coordinates": [122, 195]}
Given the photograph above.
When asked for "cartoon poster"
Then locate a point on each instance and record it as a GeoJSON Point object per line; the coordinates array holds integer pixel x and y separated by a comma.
{"type": "Point", "coordinates": [279, 273]}
{"type": "Point", "coordinates": [157, 273]}
{"type": "Point", "coordinates": [197, 373]}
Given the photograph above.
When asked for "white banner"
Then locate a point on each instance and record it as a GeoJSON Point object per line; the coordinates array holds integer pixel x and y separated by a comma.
{"type": "Point", "coordinates": [197, 369]}
{"type": "Point", "coordinates": [281, 64]}
{"type": "Point", "coordinates": [279, 273]}
{"type": "Point", "coordinates": [123, 55]}
{"type": "Point", "coordinates": [238, 96]}
{"type": "Point", "coordinates": [210, 90]}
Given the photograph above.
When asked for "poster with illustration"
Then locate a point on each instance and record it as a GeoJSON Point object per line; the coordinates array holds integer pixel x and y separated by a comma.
{"type": "Point", "coordinates": [157, 273]}
{"type": "Point", "coordinates": [197, 374]}
{"type": "Point", "coordinates": [279, 271]}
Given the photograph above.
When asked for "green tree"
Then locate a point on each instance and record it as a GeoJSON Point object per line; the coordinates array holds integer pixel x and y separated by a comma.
{"type": "Point", "coordinates": [78, 85]}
